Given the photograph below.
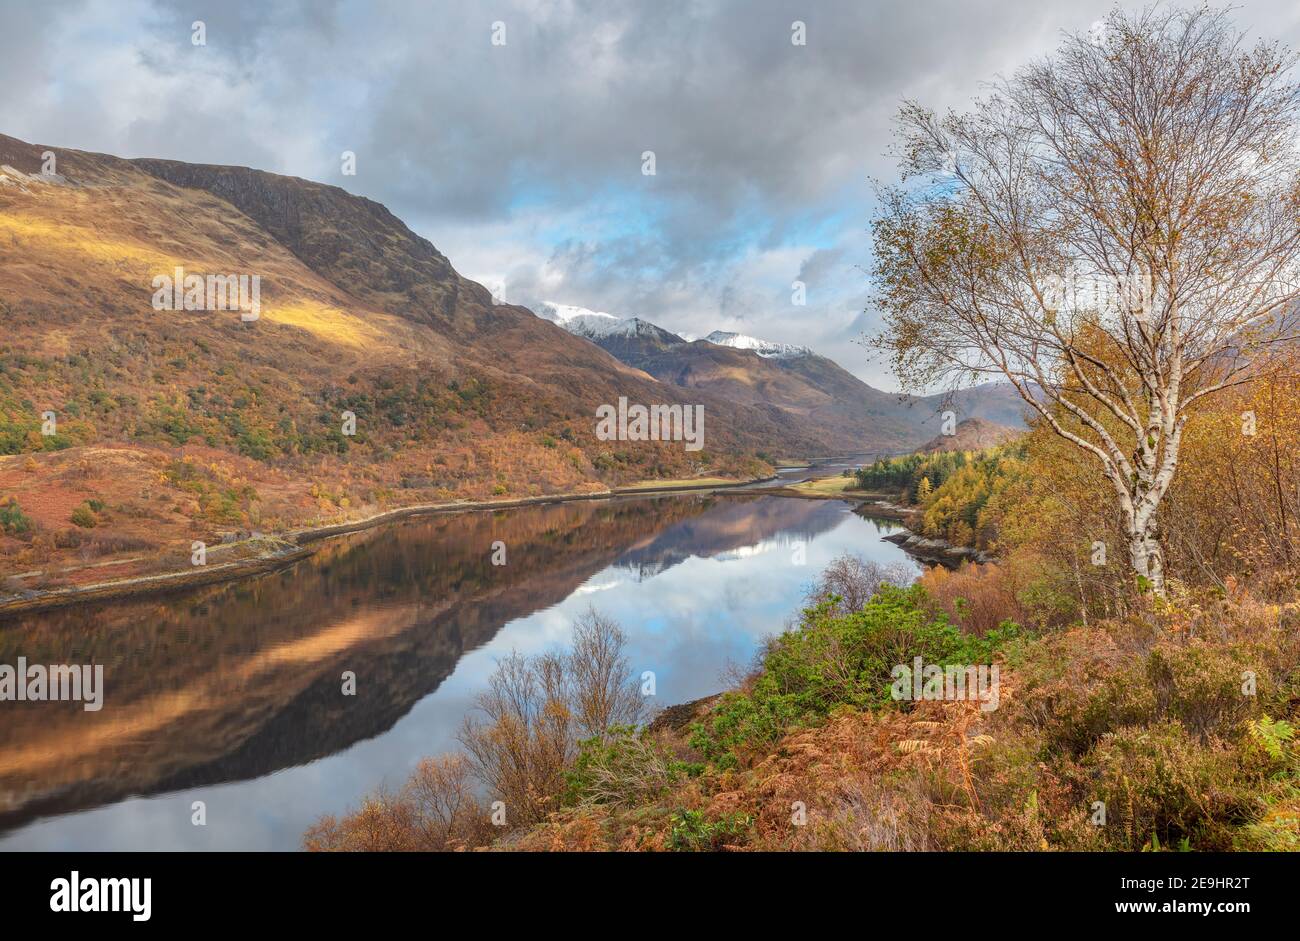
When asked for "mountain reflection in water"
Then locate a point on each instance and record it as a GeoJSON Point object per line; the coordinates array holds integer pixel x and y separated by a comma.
{"type": "Point", "coordinates": [232, 694]}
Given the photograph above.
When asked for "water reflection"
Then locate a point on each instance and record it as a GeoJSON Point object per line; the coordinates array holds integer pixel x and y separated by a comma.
{"type": "Point", "coordinates": [231, 694]}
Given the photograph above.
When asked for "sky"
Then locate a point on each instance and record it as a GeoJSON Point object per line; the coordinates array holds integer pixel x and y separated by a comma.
{"type": "Point", "coordinates": [513, 133]}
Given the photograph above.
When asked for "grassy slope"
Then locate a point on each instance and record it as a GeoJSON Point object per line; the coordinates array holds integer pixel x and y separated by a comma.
{"type": "Point", "coordinates": [825, 485]}
{"type": "Point", "coordinates": [1146, 721]}
{"type": "Point", "coordinates": [1143, 716]}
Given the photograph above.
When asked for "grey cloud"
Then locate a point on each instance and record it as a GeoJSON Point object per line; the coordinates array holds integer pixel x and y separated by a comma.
{"type": "Point", "coordinates": [757, 141]}
{"type": "Point", "coordinates": [820, 264]}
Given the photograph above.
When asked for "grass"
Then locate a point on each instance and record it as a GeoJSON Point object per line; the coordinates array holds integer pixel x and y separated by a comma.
{"type": "Point", "coordinates": [679, 483]}
{"type": "Point", "coordinates": [324, 322]}
{"type": "Point", "coordinates": [44, 237]}
{"type": "Point", "coordinates": [1142, 719]}
{"type": "Point", "coordinates": [825, 485]}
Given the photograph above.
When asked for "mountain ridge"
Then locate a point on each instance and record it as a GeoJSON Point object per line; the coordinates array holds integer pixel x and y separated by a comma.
{"type": "Point", "coordinates": [973, 434]}
{"type": "Point", "coordinates": [751, 370]}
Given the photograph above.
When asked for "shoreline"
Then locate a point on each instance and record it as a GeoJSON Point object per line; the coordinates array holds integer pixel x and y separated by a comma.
{"type": "Point", "coordinates": [924, 548]}
{"type": "Point", "coordinates": [298, 546]}
{"type": "Point", "coordinates": [162, 583]}
{"type": "Point", "coordinates": [677, 719]}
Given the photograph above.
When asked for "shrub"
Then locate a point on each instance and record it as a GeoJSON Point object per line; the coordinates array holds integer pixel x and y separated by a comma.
{"type": "Point", "coordinates": [13, 520]}
{"type": "Point", "coordinates": [1273, 753]}
{"type": "Point", "coordinates": [980, 596]}
{"type": "Point", "coordinates": [1201, 687]}
{"type": "Point", "coordinates": [850, 581]}
{"type": "Point", "coordinates": [435, 810]}
{"type": "Point", "coordinates": [537, 709]}
{"type": "Point", "coordinates": [257, 443]}
{"type": "Point", "coordinates": [84, 517]}
{"type": "Point", "coordinates": [1162, 788]}
{"type": "Point", "coordinates": [1195, 685]}
{"type": "Point", "coordinates": [523, 748]}
{"type": "Point", "coordinates": [1278, 831]}
{"type": "Point", "coordinates": [693, 830]}
{"type": "Point", "coordinates": [623, 769]}
{"type": "Point", "coordinates": [831, 661]}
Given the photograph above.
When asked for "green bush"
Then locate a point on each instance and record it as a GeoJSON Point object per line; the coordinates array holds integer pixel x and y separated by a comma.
{"type": "Point", "coordinates": [13, 520]}
{"type": "Point", "coordinates": [624, 769]}
{"type": "Point", "coordinates": [84, 517]}
{"type": "Point", "coordinates": [693, 831]}
{"type": "Point", "coordinates": [169, 422]}
{"type": "Point", "coordinates": [836, 661]}
{"type": "Point", "coordinates": [1201, 687]}
{"type": "Point", "coordinates": [257, 444]}
{"type": "Point", "coordinates": [1196, 685]}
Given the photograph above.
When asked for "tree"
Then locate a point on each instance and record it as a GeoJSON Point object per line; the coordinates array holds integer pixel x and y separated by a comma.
{"type": "Point", "coordinates": [852, 581]}
{"type": "Point", "coordinates": [529, 722]}
{"type": "Point", "coordinates": [1114, 230]}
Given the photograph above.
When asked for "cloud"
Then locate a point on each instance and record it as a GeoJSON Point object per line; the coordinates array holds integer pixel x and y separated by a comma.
{"type": "Point", "coordinates": [523, 161]}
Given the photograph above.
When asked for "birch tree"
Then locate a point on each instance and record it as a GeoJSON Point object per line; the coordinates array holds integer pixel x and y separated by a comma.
{"type": "Point", "coordinates": [1113, 230]}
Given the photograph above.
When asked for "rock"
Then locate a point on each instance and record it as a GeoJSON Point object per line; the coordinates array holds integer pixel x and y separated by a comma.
{"type": "Point", "coordinates": [679, 718]}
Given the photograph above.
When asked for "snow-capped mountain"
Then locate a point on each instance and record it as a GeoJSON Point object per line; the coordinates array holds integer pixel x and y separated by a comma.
{"type": "Point", "coordinates": [783, 376]}
{"type": "Point", "coordinates": [580, 320]}
{"type": "Point", "coordinates": [765, 348]}
{"type": "Point", "coordinates": [596, 325]}
{"type": "Point", "coordinates": [559, 313]}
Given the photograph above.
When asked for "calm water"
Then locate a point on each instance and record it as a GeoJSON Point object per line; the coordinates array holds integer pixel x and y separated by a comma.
{"type": "Point", "coordinates": [231, 694]}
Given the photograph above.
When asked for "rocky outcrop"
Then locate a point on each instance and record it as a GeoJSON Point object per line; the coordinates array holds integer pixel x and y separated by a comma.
{"type": "Point", "coordinates": [973, 434]}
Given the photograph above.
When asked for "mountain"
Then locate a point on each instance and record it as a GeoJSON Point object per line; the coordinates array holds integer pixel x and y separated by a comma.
{"type": "Point", "coordinates": [973, 434]}
{"type": "Point", "coordinates": [626, 340]}
{"type": "Point", "coordinates": [765, 348]}
{"type": "Point", "coordinates": [756, 373]}
{"type": "Point", "coordinates": [752, 371]}
{"type": "Point", "coordinates": [579, 320]}
{"type": "Point", "coordinates": [140, 411]}
{"type": "Point", "coordinates": [155, 424]}
{"type": "Point", "coordinates": [995, 402]}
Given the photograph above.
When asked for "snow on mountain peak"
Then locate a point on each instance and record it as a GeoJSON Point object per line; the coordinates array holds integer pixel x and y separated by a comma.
{"type": "Point", "coordinates": [765, 348]}
{"type": "Point", "coordinates": [594, 324]}
{"type": "Point", "coordinates": [562, 313]}
{"type": "Point", "coordinates": [581, 321]}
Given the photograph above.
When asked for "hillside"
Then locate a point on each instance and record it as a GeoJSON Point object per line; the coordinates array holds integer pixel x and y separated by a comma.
{"type": "Point", "coordinates": [973, 434]}
{"type": "Point", "coordinates": [173, 425]}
